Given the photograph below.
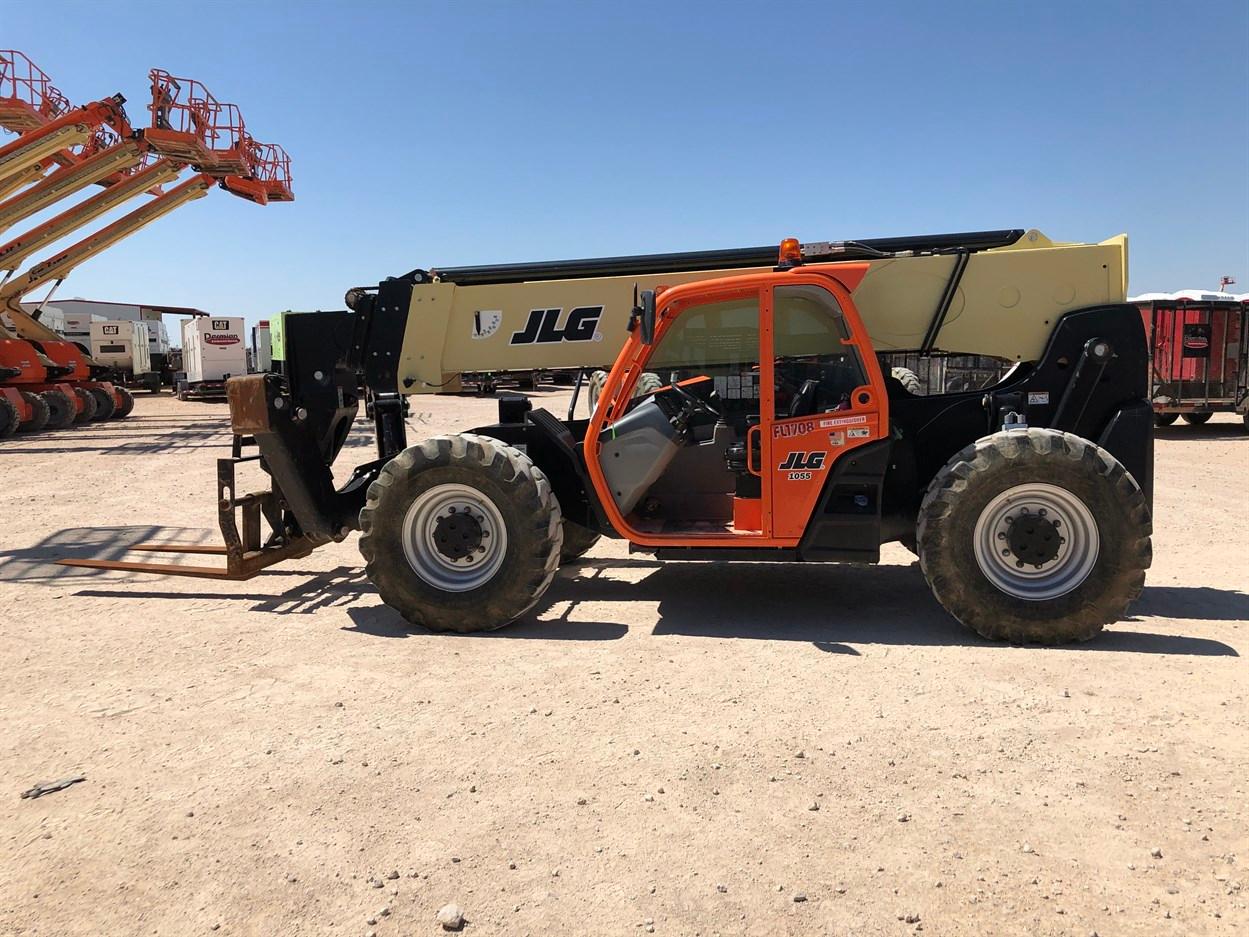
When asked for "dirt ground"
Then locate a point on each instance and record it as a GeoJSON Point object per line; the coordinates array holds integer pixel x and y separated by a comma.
{"type": "Point", "coordinates": [684, 749]}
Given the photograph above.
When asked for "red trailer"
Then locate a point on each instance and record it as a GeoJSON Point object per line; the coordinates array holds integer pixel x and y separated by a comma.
{"type": "Point", "coordinates": [1199, 353]}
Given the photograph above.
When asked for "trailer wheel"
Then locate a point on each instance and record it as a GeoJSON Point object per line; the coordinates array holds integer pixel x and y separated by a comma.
{"type": "Point", "coordinates": [1197, 419]}
{"type": "Point", "coordinates": [908, 379]}
{"type": "Point", "coordinates": [577, 541]}
{"type": "Point", "coordinates": [1034, 536]}
{"type": "Point", "coordinates": [1165, 419]}
{"type": "Point", "coordinates": [10, 419]}
{"type": "Point", "coordinates": [105, 405]}
{"type": "Point", "coordinates": [89, 405]}
{"type": "Point", "coordinates": [61, 409]}
{"type": "Point", "coordinates": [127, 404]}
{"type": "Point", "coordinates": [461, 533]}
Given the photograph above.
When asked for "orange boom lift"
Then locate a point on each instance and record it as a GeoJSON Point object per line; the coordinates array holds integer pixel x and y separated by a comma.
{"type": "Point", "coordinates": [61, 150]}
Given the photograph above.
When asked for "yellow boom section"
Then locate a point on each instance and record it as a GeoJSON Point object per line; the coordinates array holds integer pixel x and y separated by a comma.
{"type": "Point", "coordinates": [1006, 304]}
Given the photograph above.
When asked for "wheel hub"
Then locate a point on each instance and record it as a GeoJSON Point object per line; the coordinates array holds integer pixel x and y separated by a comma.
{"type": "Point", "coordinates": [1034, 538]}
{"type": "Point", "coordinates": [454, 537]}
{"type": "Point", "coordinates": [1036, 541]}
{"type": "Point", "coordinates": [457, 534]}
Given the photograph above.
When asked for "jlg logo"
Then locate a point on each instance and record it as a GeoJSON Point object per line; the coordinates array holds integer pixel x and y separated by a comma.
{"type": "Point", "coordinates": [798, 461]}
{"type": "Point", "coordinates": [543, 327]}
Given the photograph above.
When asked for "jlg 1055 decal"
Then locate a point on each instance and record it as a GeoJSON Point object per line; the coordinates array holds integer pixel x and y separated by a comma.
{"type": "Point", "coordinates": [800, 465]}
{"type": "Point", "coordinates": [543, 327]}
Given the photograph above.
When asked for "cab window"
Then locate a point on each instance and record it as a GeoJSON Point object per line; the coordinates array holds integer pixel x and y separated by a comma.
{"type": "Point", "coordinates": [816, 371]}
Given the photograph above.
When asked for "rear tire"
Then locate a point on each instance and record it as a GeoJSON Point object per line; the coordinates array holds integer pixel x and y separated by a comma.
{"type": "Point", "coordinates": [10, 419]}
{"type": "Point", "coordinates": [127, 404]}
{"type": "Point", "coordinates": [89, 405]}
{"type": "Point", "coordinates": [39, 412]}
{"type": "Point", "coordinates": [105, 404]}
{"type": "Point", "coordinates": [1165, 419]}
{"type": "Point", "coordinates": [972, 536]}
{"type": "Point", "coordinates": [1197, 419]}
{"type": "Point", "coordinates": [60, 409]}
{"type": "Point", "coordinates": [417, 549]}
{"type": "Point", "coordinates": [577, 541]}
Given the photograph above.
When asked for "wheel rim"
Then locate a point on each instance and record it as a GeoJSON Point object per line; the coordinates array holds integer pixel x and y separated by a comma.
{"type": "Point", "coordinates": [454, 537]}
{"type": "Point", "coordinates": [1036, 542]}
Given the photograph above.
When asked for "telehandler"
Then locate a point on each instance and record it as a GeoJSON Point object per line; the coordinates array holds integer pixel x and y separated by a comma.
{"type": "Point", "coordinates": [766, 429]}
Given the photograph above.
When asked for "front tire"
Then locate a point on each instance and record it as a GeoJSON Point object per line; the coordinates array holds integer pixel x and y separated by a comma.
{"type": "Point", "coordinates": [105, 404]}
{"type": "Point", "coordinates": [461, 533]}
{"type": "Point", "coordinates": [10, 419]}
{"type": "Point", "coordinates": [127, 404]}
{"type": "Point", "coordinates": [89, 405]}
{"type": "Point", "coordinates": [1165, 419]}
{"type": "Point", "coordinates": [60, 409]}
{"type": "Point", "coordinates": [39, 412]}
{"type": "Point", "coordinates": [1035, 537]}
{"type": "Point", "coordinates": [1197, 419]}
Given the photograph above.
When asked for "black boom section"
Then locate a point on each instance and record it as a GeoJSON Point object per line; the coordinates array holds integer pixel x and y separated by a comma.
{"type": "Point", "coordinates": [638, 264]}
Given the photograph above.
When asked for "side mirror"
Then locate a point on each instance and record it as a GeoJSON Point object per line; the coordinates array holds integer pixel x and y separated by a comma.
{"type": "Point", "coordinates": [648, 317]}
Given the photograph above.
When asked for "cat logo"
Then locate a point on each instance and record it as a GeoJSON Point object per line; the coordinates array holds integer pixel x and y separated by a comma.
{"type": "Point", "coordinates": [543, 327]}
{"type": "Point", "coordinates": [112, 330]}
{"type": "Point", "coordinates": [221, 325]}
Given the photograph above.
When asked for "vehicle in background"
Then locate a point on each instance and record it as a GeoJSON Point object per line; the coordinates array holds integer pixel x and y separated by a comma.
{"type": "Point", "coordinates": [1199, 354]}
{"type": "Point", "coordinates": [124, 346]}
{"type": "Point", "coordinates": [212, 350]}
{"type": "Point", "coordinates": [158, 350]}
{"type": "Point", "coordinates": [78, 314]}
{"type": "Point", "coordinates": [77, 328]}
{"type": "Point", "coordinates": [262, 347]}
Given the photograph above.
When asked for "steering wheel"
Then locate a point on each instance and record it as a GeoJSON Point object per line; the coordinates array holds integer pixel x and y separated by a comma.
{"type": "Point", "coordinates": [696, 403]}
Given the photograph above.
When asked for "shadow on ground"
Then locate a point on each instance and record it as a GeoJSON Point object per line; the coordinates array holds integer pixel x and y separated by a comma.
{"type": "Point", "coordinates": [154, 441]}
{"type": "Point", "coordinates": [38, 563]}
{"type": "Point", "coordinates": [832, 607]}
{"type": "Point", "coordinates": [1182, 431]}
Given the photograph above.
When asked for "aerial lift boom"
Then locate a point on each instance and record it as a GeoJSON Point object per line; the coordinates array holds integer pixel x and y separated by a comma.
{"type": "Point", "coordinates": [59, 266]}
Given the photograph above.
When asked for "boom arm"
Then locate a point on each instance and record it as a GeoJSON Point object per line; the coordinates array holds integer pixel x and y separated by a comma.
{"type": "Point", "coordinates": [58, 266]}
{"type": "Point", "coordinates": [946, 293]}
{"type": "Point", "coordinates": [19, 248]}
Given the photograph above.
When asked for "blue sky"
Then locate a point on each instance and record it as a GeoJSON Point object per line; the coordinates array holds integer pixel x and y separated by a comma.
{"type": "Point", "coordinates": [452, 133]}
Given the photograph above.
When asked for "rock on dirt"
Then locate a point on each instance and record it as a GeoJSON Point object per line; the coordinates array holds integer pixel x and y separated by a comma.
{"type": "Point", "coordinates": [451, 917]}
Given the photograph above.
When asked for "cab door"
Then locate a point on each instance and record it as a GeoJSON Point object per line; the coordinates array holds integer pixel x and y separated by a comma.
{"type": "Point", "coordinates": [828, 396]}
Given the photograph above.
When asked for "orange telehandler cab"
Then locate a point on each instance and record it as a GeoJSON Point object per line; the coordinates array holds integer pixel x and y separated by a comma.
{"type": "Point", "coordinates": [746, 418]}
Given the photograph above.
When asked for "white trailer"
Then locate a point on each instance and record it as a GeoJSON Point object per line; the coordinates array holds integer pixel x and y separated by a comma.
{"type": "Point", "coordinates": [123, 345]}
{"type": "Point", "coordinates": [78, 326]}
{"type": "Point", "coordinates": [212, 350]}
